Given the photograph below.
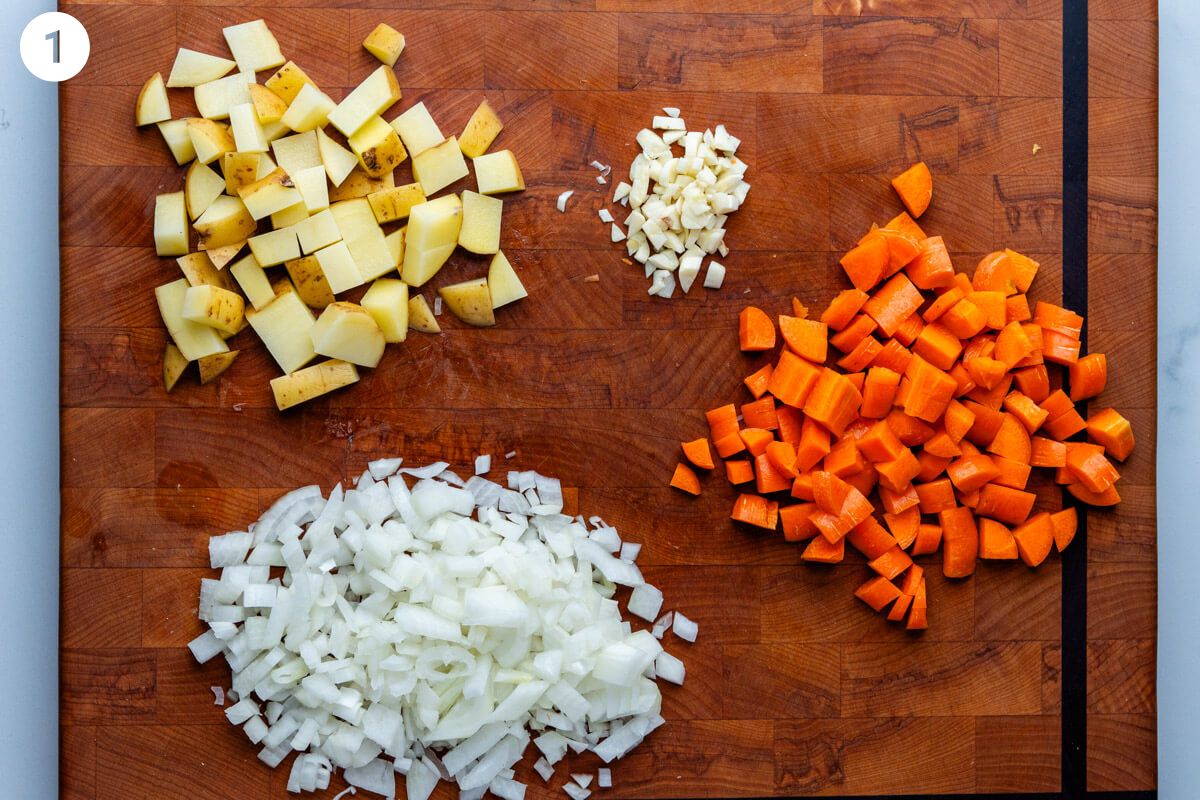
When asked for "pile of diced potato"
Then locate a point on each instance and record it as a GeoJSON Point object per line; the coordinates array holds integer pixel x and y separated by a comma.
{"type": "Point", "coordinates": [317, 217]}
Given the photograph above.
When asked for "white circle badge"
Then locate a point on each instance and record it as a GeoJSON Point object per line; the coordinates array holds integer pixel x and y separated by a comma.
{"type": "Point", "coordinates": [55, 46]}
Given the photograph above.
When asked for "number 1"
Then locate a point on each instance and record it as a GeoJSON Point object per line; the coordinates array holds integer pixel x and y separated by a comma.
{"type": "Point", "coordinates": [54, 35]}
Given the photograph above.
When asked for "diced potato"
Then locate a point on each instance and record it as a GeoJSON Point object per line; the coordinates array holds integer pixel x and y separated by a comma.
{"type": "Point", "coordinates": [482, 129]}
{"type": "Point", "coordinates": [339, 162]}
{"type": "Point", "coordinates": [313, 187]}
{"type": "Point", "coordinates": [268, 106]}
{"type": "Point", "coordinates": [253, 46]}
{"type": "Point", "coordinates": [434, 223]}
{"type": "Point", "coordinates": [152, 103]}
{"type": "Point", "coordinates": [247, 133]}
{"type": "Point", "coordinates": [395, 243]}
{"type": "Point", "coordinates": [274, 247]}
{"type": "Point", "coordinates": [364, 238]}
{"type": "Point", "coordinates": [420, 316]}
{"type": "Point", "coordinates": [310, 282]}
{"type": "Point", "coordinates": [225, 222]}
{"type": "Point", "coordinates": [220, 256]}
{"type": "Point", "coordinates": [254, 282]}
{"type": "Point", "coordinates": [341, 273]}
{"type": "Point", "coordinates": [289, 217]}
{"type": "Point", "coordinates": [215, 98]}
{"type": "Point", "coordinates": [193, 340]}
{"type": "Point", "coordinates": [439, 166]}
{"type": "Point", "coordinates": [215, 307]}
{"type": "Point", "coordinates": [310, 382]}
{"type": "Point", "coordinates": [285, 325]}
{"type": "Point", "coordinates": [270, 194]}
{"type": "Point", "coordinates": [275, 130]}
{"type": "Point", "coordinates": [265, 166]}
{"type": "Point", "coordinates": [480, 232]}
{"type": "Point", "coordinates": [201, 186]}
{"type": "Point", "coordinates": [286, 82]}
{"type": "Point", "coordinates": [385, 43]}
{"type": "Point", "coordinates": [210, 140]}
{"type": "Point", "coordinates": [369, 99]}
{"type": "Point", "coordinates": [498, 172]}
{"type": "Point", "coordinates": [173, 365]}
{"type": "Point", "coordinates": [170, 224]}
{"type": "Point", "coordinates": [359, 184]}
{"type": "Point", "coordinates": [175, 134]}
{"type": "Point", "coordinates": [470, 301]}
{"type": "Point", "coordinates": [319, 230]}
{"type": "Point", "coordinates": [297, 152]}
{"type": "Point", "coordinates": [392, 204]}
{"type": "Point", "coordinates": [503, 283]}
{"type": "Point", "coordinates": [417, 130]}
{"type": "Point", "coordinates": [214, 365]}
{"type": "Point", "coordinates": [192, 68]}
{"type": "Point", "coordinates": [199, 270]}
{"type": "Point", "coordinates": [347, 332]}
{"type": "Point", "coordinates": [283, 285]}
{"type": "Point", "coordinates": [378, 147]}
{"type": "Point", "coordinates": [240, 169]}
{"type": "Point", "coordinates": [309, 110]}
{"type": "Point", "coordinates": [387, 303]}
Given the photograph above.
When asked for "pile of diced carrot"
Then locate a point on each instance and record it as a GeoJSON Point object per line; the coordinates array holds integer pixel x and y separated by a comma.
{"type": "Point", "coordinates": [935, 410]}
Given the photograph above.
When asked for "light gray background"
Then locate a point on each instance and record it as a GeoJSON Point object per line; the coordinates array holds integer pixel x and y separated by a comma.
{"type": "Point", "coordinates": [29, 409]}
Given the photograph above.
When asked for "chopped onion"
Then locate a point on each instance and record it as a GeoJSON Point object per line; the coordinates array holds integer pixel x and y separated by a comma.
{"type": "Point", "coordinates": [218, 695]}
{"type": "Point", "coordinates": [605, 216]}
{"type": "Point", "coordinates": [437, 306]}
{"type": "Point", "coordinates": [576, 792]}
{"type": "Point", "coordinates": [715, 276]}
{"type": "Point", "coordinates": [583, 780]}
{"type": "Point", "coordinates": [684, 628]}
{"type": "Point", "coordinates": [670, 111]}
{"type": "Point", "coordinates": [483, 464]}
{"type": "Point", "coordinates": [561, 203]}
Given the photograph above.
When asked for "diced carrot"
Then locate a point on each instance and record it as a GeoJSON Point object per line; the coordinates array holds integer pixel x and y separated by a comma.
{"type": "Point", "coordinates": [957, 420]}
{"type": "Point", "coordinates": [833, 402]}
{"type": "Point", "coordinates": [790, 421]}
{"type": "Point", "coordinates": [865, 480]}
{"type": "Point", "coordinates": [856, 380]}
{"type": "Point", "coordinates": [1065, 523]}
{"type": "Point", "coordinates": [1064, 425]}
{"type": "Point", "coordinates": [1062, 475]}
{"type": "Point", "coordinates": [697, 452]}
{"type": "Point", "coordinates": [739, 471]}
{"type": "Point", "coordinates": [932, 268]}
{"type": "Point", "coordinates": [936, 496]}
{"type": "Point", "coordinates": [1016, 309]}
{"type": "Point", "coordinates": [993, 306]}
{"type": "Point", "coordinates": [898, 473]}
{"type": "Point", "coordinates": [799, 309]}
{"type": "Point", "coordinates": [938, 346]}
{"type": "Point", "coordinates": [797, 527]}
{"type": "Point", "coordinates": [854, 332]}
{"type": "Point", "coordinates": [793, 379]}
{"type": "Point", "coordinates": [1088, 376]}
{"type": "Point", "coordinates": [756, 440]}
{"type": "Point", "coordinates": [807, 338]}
{"type": "Point", "coordinates": [902, 249]}
{"type": "Point", "coordinates": [1034, 382]}
{"type": "Point", "coordinates": [1013, 344]}
{"type": "Point", "coordinates": [757, 511]}
{"type": "Point", "coordinates": [877, 593]}
{"type": "Point", "coordinates": [823, 552]}
{"type": "Point", "coordinates": [904, 526]}
{"type": "Point", "coordinates": [1057, 403]}
{"type": "Point", "coordinates": [909, 430]}
{"type": "Point", "coordinates": [1087, 463]}
{"type": "Point", "coordinates": [994, 397]}
{"type": "Point", "coordinates": [1047, 452]}
{"type": "Point", "coordinates": [760, 414]}
{"type": "Point", "coordinates": [722, 421]}
{"type": "Point", "coordinates": [1005, 504]}
{"type": "Point", "coordinates": [913, 577]}
{"type": "Point", "coordinates": [685, 479]}
{"type": "Point", "coordinates": [900, 608]}
{"type": "Point", "coordinates": [783, 458]}
{"type": "Point", "coordinates": [879, 390]}
{"type": "Point", "coordinates": [909, 330]}
{"type": "Point", "coordinates": [843, 459]}
{"type": "Point", "coordinates": [1056, 318]}
{"type": "Point", "coordinates": [932, 466]}
{"type": "Point", "coordinates": [1027, 412]}
{"type": "Point", "coordinates": [892, 563]}
{"type": "Point", "coordinates": [963, 282]}
{"type": "Point", "coordinates": [866, 262]}
{"type": "Point", "coordinates": [829, 492]}
{"type": "Point", "coordinates": [929, 539]}
{"type": "Point", "coordinates": [755, 329]}
{"type": "Point", "coordinates": [986, 372]}
{"type": "Point", "coordinates": [1034, 538]}
{"type": "Point", "coordinates": [893, 303]}
{"type": "Point", "coordinates": [995, 273]}
{"type": "Point", "coordinates": [729, 445]}
{"type": "Point", "coordinates": [861, 356]}
{"type": "Point", "coordinates": [758, 381]}
{"type": "Point", "coordinates": [1059, 348]}
{"type": "Point", "coordinates": [996, 540]}
{"type": "Point", "coordinates": [944, 302]}
{"type": "Point", "coordinates": [893, 356]}
{"type": "Point", "coordinates": [870, 538]}
{"type": "Point", "coordinates": [1024, 269]}
{"type": "Point", "coordinates": [981, 346]}
{"type": "Point", "coordinates": [1012, 440]}
{"type": "Point", "coordinates": [1109, 497]}
{"type": "Point", "coordinates": [970, 473]}
{"type": "Point", "coordinates": [917, 615]}
{"type": "Point", "coordinates": [915, 187]}
{"type": "Point", "coordinates": [813, 446]}
{"type": "Point", "coordinates": [943, 446]}
{"type": "Point", "coordinates": [968, 499]}
{"type": "Point", "coordinates": [960, 542]}
{"type": "Point", "coordinates": [880, 443]}
{"type": "Point", "coordinates": [802, 487]}
{"type": "Point", "coordinates": [1108, 428]}
{"type": "Point", "coordinates": [930, 392]}
{"type": "Point", "coordinates": [964, 319]}
{"type": "Point", "coordinates": [963, 384]}
{"type": "Point", "coordinates": [898, 502]}
{"type": "Point", "coordinates": [986, 425]}
{"type": "Point", "coordinates": [1013, 474]}
{"type": "Point", "coordinates": [843, 307]}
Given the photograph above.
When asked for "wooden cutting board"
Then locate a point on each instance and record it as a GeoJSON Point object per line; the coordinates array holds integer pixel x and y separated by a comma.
{"type": "Point", "coordinates": [793, 688]}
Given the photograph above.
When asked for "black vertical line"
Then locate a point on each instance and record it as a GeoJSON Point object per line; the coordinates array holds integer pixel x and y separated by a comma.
{"type": "Point", "coordinates": [1075, 297]}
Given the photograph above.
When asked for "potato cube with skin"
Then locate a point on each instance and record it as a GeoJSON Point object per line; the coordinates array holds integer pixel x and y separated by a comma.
{"type": "Point", "coordinates": [201, 186]}
{"type": "Point", "coordinates": [363, 237]}
{"type": "Point", "coordinates": [336, 263]}
{"type": "Point", "coordinates": [268, 106]}
{"type": "Point", "coordinates": [385, 43]}
{"type": "Point", "coordinates": [287, 81]}
{"type": "Point", "coordinates": [215, 307]}
{"type": "Point", "coordinates": [482, 129]}
{"type": "Point", "coordinates": [225, 222]}
{"type": "Point", "coordinates": [338, 161]}
{"type": "Point", "coordinates": [303, 385]}
{"type": "Point", "coordinates": [309, 110]}
{"type": "Point", "coordinates": [175, 134]}
{"type": "Point", "coordinates": [152, 103]}
{"type": "Point", "coordinates": [199, 270]}
{"type": "Point", "coordinates": [173, 365]}
{"type": "Point", "coordinates": [387, 303]}
{"type": "Point", "coordinates": [210, 140]}
{"type": "Point", "coordinates": [417, 130]}
{"type": "Point", "coordinates": [192, 68]}
{"type": "Point", "coordinates": [310, 282]}
{"type": "Point", "coordinates": [369, 99]}
{"type": "Point", "coordinates": [360, 184]}
{"type": "Point", "coordinates": [470, 301]}
{"type": "Point", "coordinates": [439, 166]}
{"type": "Point", "coordinates": [212, 366]}
{"type": "Point", "coordinates": [319, 230]}
{"type": "Point", "coordinates": [434, 223]}
{"type": "Point", "coordinates": [274, 247]}
{"type": "Point", "coordinates": [240, 169]}
{"type": "Point", "coordinates": [392, 204]}
{"type": "Point", "coordinates": [297, 152]}
{"type": "Point", "coordinates": [253, 281]}
{"type": "Point", "coordinates": [420, 316]}
{"type": "Point", "coordinates": [270, 194]}
{"type": "Point", "coordinates": [313, 188]}
{"type": "Point", "coordinates": [215, 98]}
{"type": "Point", "coordinates": [378, 148]}
{"type": "Point", "coordinates": [221, 256]}
{"type": "Point", "coordinates": [247, 133]}
{"type": "Point", "coordinates": [347, 332]}
{"type": "Point", "coordinates": [170, 224]}
{"type": "Point", "coordinates": [289, 217]}
{"type": "Point", "coordinates": [253, 46]}
{"type": "Point", "coordinates": [395, 243]}
{"type": "Point", "coordinates": [194, 341]}
{"type": "Point", "coordinates": [285, 326]}
{"type": "Point", "coordinates": [480, 232]}
{"type": "Point", "coordinates": [503, 283]}
{"type": "Point", "coordinates": [497, 172]}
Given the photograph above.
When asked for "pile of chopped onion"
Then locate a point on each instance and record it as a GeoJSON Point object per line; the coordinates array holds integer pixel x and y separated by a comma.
{"type": "Point", "coordinates": [679, 203]}
{"type": "Point", "coordinates": [433, 630]}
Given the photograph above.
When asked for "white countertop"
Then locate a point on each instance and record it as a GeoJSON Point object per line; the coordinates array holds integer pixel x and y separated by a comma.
{"type": "Point", "coordinates": [29, 406]}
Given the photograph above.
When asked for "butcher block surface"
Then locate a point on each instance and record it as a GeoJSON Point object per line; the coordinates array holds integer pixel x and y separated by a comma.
{"type": "Point", "coordinates": [794, 687]}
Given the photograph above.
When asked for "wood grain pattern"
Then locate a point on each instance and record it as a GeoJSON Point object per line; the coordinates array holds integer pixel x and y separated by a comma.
{"type": "Point", "coordinates": [793, 688]}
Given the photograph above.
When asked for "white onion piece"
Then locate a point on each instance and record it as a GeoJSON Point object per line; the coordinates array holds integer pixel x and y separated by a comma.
{"type": "Point", "coordinates": [645, 601]}
{"type": "Point", "coordinates": [218, 695]}
{"type": "Point", "coordinates": [582, 779]}
{"type": "Point", "coordinates": [575, 792]}
{"type": "Point", "coordinates": [604, 778]}
{"type": "Point", "coordinates": [684, 628]}
{"type": "Point", "coordinates": [483, 464]}
{"type": "Point", "coordinates": [561, 203]}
